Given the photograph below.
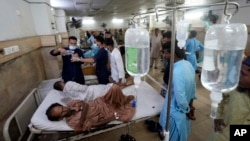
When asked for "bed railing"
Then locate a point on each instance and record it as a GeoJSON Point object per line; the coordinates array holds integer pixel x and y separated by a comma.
{"type": "Point", "coordinates": [16, 125]}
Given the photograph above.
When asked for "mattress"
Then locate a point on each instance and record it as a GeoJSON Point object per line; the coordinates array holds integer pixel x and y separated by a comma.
{"type": "Point", "coordinates": [149, 103]}
{"type": "Point", "coordinates": [44, 88]}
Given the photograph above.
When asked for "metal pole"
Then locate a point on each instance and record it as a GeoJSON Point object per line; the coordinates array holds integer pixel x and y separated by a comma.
{"type": "Point", "coordinates": [171, 66]}
{"type": "Point", "coordinates": [215, 4]}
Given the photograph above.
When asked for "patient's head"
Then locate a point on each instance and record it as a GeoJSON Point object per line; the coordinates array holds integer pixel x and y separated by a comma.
{"type": "Point", "coordinates": [56, 112]}
{"type": "Point", "coordinates": [59, 85]}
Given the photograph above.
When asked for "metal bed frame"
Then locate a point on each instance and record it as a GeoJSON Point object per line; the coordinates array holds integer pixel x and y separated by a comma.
{"type": "Point", "coordinates": [19, 123]}
{"type": "Point", "coordinates": [16, 126]}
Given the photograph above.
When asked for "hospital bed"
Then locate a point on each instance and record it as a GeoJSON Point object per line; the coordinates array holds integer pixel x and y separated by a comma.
{"type": "Point", "coordinates": [149, 104]}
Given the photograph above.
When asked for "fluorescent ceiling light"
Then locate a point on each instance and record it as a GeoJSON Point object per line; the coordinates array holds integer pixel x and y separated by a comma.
{"type": "Point", "coordinates": [193, 15]}
{"type": "Point", "coordinates": [117, 20]}
{"type": "Point", "coordinates": [88, 21]}
{"type": "Point", "coordinates": [143, 11]}
{"type": "Point", "coordinates": [59, 3]}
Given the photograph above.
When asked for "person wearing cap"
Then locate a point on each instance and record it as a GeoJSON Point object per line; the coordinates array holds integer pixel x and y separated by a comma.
{"type": "Point", "coordinates": [234, 107]}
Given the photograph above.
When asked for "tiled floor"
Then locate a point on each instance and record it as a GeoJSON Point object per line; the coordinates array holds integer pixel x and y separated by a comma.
{"type": "Point", "coordinates": [200, 128]}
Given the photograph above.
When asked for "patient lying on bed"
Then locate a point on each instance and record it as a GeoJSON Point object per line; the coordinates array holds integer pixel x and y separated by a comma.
{"type": "Point", "coordinates": [81, 116]}
{"type": "Point", "coordinates": [84, 92]}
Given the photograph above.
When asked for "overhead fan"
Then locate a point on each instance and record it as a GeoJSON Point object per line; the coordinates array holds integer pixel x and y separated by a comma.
{"type": "Point", "coordinates": [210, 17]}
{"type": "Point", "coordinates": [103, 25]}
{"type": "Point", "coordinates": [167, 20]}
{"type": "Point", "coordinates": [76, 23]}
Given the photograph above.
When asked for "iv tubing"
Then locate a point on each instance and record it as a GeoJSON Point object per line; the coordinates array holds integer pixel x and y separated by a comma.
{"type": "Point", "coordinates": [150, 77]}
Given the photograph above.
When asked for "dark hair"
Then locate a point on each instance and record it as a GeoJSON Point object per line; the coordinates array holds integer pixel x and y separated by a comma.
{"type": "Point", "coordinates": [109, 42]}
{"type": "Point", "coordinates": [50, 111]}
{"type": "Point", "coordinates": [107, 32]}
{"type": "Point", "coordinates": [247, 61]}
{"type": "Point", "coordinates": [72, 38]}
{"type": "Point", "coordinates": [167, 34]}
{"type": "Point", "coordinates": [120, 41]}
{"type": "Point", "coordinates": [99, 39]}
{"type": "Point", "coordinates": [58, 86]}
{"type": "Point", "coordinates": [192, 34]}
{"type": "Point", "coordinates": [180, 53]}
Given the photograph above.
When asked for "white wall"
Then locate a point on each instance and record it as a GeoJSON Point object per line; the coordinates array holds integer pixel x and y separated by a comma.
{"type": "Point", "coordinates": [60, 20]}
{"type": "Point", "coordinates": [12, 24]}
{"type": "Point", "coordinates": [43, 17]}
{"type": "Point", "coordinates": [17, 22]}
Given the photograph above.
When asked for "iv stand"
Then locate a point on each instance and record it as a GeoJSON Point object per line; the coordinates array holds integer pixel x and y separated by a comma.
{"type": "Point", "coordinates": [174, 8]}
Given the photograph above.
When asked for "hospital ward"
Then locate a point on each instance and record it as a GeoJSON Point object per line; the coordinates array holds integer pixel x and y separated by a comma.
{"type": "Point", "coordinates": [125, 70]}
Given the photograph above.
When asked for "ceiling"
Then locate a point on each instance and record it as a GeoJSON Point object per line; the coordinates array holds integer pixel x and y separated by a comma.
{"type": "Point", "coordinates": [106, 9]}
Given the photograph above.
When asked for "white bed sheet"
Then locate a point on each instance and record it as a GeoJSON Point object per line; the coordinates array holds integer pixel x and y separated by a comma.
{"type": "Point", "coordinates": [45, 86]}
{"type": "Point", "coordinates": [149, 103]}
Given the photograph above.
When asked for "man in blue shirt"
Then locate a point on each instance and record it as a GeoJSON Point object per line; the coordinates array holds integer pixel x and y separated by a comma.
{"type": "Point", "coordinates": [101, 60]}
{"type": "Point", "coordinates": [193, 45]}
{"type": "Point", "coordinates": [71, 71]}
{"type": "Point", "coordinates": [183, 92]}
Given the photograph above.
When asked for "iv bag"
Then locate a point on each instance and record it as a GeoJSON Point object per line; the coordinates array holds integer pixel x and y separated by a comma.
{"type": "Point", "coordinates": [182, 33]}
{"type": "Point", "coordinates": [137, 55]}
{"type": "Point", "coordinates": [224, 46]}
{"type": "Point", "coordinates": [137, 51]}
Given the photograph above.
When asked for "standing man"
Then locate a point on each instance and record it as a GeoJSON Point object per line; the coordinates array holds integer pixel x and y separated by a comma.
{"type": "Point", "coordinates": [108, 35]}
{"type": "Point", "coordinates": [166, 42]}
{"type": "Point", "coordinates": [116, 63]}
{"type": "Point", "coordinates": [94, 48]}
{"type": "Point", "coordinates": [101, 60]}
{"type": "Point", "coordinates": [120, 36]}
{"type": "Point", "coordinates": [183, 92]}
{"type": "Point", "coordinates": [155, 41]}
{"type": "Point", "coordinates": [193, 45]}
{"type": "Point", "coordinates": [71, 71]}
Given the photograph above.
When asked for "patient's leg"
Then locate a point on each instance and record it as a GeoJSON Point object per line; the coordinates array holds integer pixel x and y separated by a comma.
{"type": "Point", "coordinates": [115, 97]}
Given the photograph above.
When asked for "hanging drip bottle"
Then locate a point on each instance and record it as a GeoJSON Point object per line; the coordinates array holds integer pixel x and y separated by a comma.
{"type": "Point", "coordinates": [137, 54]}
{"type": "Point", "coordinates": [224, 46]}
{"type": "Point", "coordinates": [182, 33]}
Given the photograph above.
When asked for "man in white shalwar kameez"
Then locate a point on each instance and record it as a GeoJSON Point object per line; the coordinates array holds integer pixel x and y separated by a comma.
{"type": "Point", "coordinates": [155, 41]}
{"type": "Point", "coordinates": [116, 63]}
